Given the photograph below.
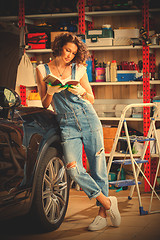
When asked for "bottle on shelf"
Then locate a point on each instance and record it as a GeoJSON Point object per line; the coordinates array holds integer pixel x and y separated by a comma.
{"type": "Point", "coordinates": [89, 69]}
{"type": "Point", "coordinates": [34, 64]}
{"type": "Point", "coordinates": [113, 71]}
{"type": "Point", "coordinates": [108, 72]}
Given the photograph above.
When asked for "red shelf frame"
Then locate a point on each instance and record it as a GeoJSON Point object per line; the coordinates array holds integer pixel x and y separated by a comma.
{"type": "Point", "coordinates": [81, 17]}
{"type": "Point", "coordinates": [22, 25]}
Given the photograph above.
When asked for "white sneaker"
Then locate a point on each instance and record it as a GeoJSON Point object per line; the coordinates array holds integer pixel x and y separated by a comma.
{"type": "Point", "coordinates": [98, 223]}
{"type": "Point", "coordinates": [114, 212]}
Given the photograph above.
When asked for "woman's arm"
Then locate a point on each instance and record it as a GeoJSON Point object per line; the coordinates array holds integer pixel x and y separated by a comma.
{"type": "Point", "coordinates": [45, 97]}
{"type": "Point", "coordinates": [88, 95]}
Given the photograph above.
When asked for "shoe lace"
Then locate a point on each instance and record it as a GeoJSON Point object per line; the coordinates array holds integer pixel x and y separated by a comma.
{"type": "Point", "coordinates": [112, 214]}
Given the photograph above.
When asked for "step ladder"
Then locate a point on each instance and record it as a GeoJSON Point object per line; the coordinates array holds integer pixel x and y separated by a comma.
{"type": "Point", "coordinates": [136, 163]}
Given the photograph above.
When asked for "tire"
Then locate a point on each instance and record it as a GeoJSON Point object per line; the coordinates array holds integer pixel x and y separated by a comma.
{"type": "Point", "coordinates": [51, 192]}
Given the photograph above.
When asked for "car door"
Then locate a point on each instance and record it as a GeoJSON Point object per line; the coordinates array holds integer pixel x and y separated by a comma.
{"type": "Point", "coordinates": [12, 165]}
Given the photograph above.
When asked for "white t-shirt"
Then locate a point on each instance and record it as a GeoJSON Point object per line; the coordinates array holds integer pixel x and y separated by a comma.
{"type": "Point", "coordinates": [80, 71]}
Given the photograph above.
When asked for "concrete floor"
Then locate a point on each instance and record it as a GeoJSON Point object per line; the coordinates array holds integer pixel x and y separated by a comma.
{"type": "Point", "coordinates": [81, 211]}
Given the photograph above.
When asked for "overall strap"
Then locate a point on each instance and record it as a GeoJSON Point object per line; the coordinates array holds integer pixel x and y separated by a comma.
{"type": "Point", "coordinates": [73, 71]}
{"type": "Point", "coordinates": [47, 69]}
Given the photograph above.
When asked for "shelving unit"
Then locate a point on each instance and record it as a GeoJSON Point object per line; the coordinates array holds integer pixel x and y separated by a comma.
{"type": "Point", "coordinates": [107, 53]}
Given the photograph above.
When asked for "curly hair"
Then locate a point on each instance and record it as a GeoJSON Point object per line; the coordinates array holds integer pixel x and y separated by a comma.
{"type": "Point", "coordinates": [62, 39]}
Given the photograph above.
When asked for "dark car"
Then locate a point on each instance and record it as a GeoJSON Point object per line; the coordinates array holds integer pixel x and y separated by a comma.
{"type": "Point", "coordinates": [33, 178]}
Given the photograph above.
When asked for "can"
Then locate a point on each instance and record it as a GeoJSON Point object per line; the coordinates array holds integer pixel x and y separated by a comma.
{"type": "Point", "coordinates": [100, 74]}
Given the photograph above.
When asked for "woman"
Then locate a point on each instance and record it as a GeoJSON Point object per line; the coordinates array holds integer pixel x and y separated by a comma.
{"type": "Point", "coordinates": [79, 124]}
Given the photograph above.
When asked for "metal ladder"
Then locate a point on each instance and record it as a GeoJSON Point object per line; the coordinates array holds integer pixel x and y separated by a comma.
{"type": "Point", "coordinates": [136, 162]}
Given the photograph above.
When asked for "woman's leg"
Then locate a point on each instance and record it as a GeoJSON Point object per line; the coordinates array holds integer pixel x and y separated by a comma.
{"type": "Point", "coordinates": [110, 205]}
{"type": "Point", "coordinates": [94, 148]}
{"type": "Point", "coordinates": [73, 161]}
{"type": "Point", "coordinates": [105, 201]}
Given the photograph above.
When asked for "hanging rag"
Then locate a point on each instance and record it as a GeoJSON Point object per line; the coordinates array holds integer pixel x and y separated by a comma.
{"type": "Point", "coordinates": [25, 73]}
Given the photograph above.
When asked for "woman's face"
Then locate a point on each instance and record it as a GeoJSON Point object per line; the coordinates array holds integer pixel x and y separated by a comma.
{"type": "Point", "coordinates": [68, 52]}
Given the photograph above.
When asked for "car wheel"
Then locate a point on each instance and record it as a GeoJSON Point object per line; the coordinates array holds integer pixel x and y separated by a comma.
{"type": "Point", "coordinates": [51, 192]}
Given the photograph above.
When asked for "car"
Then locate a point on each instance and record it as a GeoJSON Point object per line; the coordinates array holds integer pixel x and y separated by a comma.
{"type": "Point", "coordinates": [33, 177]}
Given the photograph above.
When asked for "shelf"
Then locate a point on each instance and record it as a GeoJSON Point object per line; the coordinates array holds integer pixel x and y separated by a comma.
{"type": "Point", "coordinates": [97, 48]}
{"type": "Point", "coordinates": [114, 12]}
{"type": "Point", "coordinates": [152, 82]}
{"type": "Point", "coordinates": [119, 12]}
{"type": "Point", "coordinates": [40, 16]}
{"type": "Point", "coordinates": [52, 15]}
{"type": "Point", "coordinates": [39, 51]}
{"type": "Point", "coordinates": [129, 47]}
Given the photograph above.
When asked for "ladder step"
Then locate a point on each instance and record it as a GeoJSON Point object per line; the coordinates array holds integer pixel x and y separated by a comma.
{"type": "Point", "coordinates": [123, 183]}
{"type": "Point", "coordinates": [128, 161]}
{"type": "Point", "coordinates": [137, 139]}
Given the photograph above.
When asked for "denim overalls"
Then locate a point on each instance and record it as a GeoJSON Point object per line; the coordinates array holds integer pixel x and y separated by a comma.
{"type": "Point", "coordinates": [79, 125]}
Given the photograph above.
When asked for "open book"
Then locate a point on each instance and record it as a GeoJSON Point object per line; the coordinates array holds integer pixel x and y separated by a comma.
{"type": "Point", "coordinates": [54, 81]}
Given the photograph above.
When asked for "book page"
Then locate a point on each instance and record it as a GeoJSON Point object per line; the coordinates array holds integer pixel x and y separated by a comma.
{"type": "Point", "coordinates": [53, 80]}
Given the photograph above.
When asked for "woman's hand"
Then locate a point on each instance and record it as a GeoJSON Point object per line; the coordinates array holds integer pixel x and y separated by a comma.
{"type": "Point", "coordinates": [77, 90]}
{"type": "Point", "coordinates": [51, 90]}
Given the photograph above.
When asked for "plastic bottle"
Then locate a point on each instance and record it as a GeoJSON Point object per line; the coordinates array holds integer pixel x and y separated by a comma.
{"type": "Point", "coordinates": [113, 71]}
{"type": "Point", "coordinates": [108, 79]}
{"type": "Point", "coordinates": [34, 64]}
{"type": "Point", "coordinates": [89, 69]}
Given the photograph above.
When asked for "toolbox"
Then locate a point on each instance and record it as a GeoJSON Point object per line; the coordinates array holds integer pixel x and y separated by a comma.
{"type": "Point", "coordinates": [126, 75]}
{"type": "Point", "coordinates": [99, 37]}
{"type": "Point", "coordinates": [109, 134]}
{"type": "Point", "coordinates": [37, 40]}
{"type": "Point", "coordinates": [100, 33]}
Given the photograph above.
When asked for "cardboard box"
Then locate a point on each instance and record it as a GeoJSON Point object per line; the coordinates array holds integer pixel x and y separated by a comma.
{"type": "Point", "coordinates": [126, 33]}
{"type": "Point", "coordinates": [109, 134]}
{"type": "Point", "coordinates": [122, 41]}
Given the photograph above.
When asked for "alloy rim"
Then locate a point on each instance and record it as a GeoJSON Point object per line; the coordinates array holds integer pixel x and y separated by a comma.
{"type": "Point", "coordinates": [54, 190]}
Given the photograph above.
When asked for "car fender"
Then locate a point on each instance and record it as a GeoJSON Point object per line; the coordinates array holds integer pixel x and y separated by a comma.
{"type": "Point", "coordinates": [53, 141]}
